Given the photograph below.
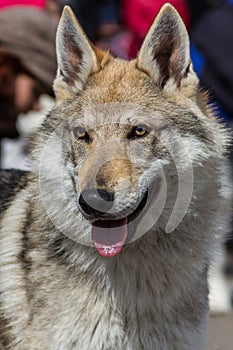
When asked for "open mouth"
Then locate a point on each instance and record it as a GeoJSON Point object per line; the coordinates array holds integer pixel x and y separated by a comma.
{"type": "Point", "coordinates": [109, 236]}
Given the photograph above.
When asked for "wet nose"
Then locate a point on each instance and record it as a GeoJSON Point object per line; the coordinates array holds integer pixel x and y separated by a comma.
{"type": "Point", "coordinates": [96, 202]}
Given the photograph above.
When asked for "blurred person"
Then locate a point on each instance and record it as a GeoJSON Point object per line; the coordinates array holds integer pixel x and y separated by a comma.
{"type": "Point", "coordinates": [138, 15]}
{"type": "Point", "coordinates": [27, 63]}
{"type": "Point", "coordinates": [35, 3]}
{"type": "Point", "coordinates": [99, 18]}
{"type": "Point", "coordinates": [212, 55]}
{"type": "Point", "coordinates": [102, 24]}
{"type": "Point", "coordinates": [198, 8]}
{"type": "Point", "coordinates": [53, 7]}
{"type": "Point", "coordinates": [215, 45]}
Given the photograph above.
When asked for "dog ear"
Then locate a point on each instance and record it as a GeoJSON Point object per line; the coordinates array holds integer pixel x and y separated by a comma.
{"type": "Point", "coordinates": [164, 54]}
{"type": "Point", "coordinates": [75, 56]}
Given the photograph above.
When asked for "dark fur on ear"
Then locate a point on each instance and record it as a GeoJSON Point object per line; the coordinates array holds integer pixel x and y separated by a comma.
{"type": "Point", "coordinates": [164, 54]}
{"type": "Point", "coordinates": [77, 57]}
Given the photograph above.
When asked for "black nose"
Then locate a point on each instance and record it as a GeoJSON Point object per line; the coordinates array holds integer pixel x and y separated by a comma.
{"type": "Point", "coordinates": [95, 202]}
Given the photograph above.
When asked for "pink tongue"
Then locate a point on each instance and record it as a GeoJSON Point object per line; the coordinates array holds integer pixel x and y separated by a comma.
{"type": "Point", "coordinates": [109, 236]}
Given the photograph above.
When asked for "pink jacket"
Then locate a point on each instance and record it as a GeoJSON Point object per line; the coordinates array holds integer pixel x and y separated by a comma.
{"type": "Point", "coordinates": [8, 3]}
{"type": "Point", "coordinates": [139, 14]}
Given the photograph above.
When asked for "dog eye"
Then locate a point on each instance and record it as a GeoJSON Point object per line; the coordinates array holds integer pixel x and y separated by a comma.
{"type": "Point", "coordinates": [138, 131]}
{"type": "Point", "coordinates": [80, 133]}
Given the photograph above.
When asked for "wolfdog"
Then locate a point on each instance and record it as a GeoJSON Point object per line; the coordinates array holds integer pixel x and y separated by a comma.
{"type": "Point", "coordinates": [106, 243]}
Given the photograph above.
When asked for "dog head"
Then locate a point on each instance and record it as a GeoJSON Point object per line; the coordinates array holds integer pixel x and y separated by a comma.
{"type": "Point", "coordinates": [125, 134]}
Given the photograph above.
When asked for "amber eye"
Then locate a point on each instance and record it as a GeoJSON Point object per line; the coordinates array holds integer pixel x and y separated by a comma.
{"type": "Point", "coordinates": [139, 131]}
{"type": "Point", "coordinates": [80, 133]}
